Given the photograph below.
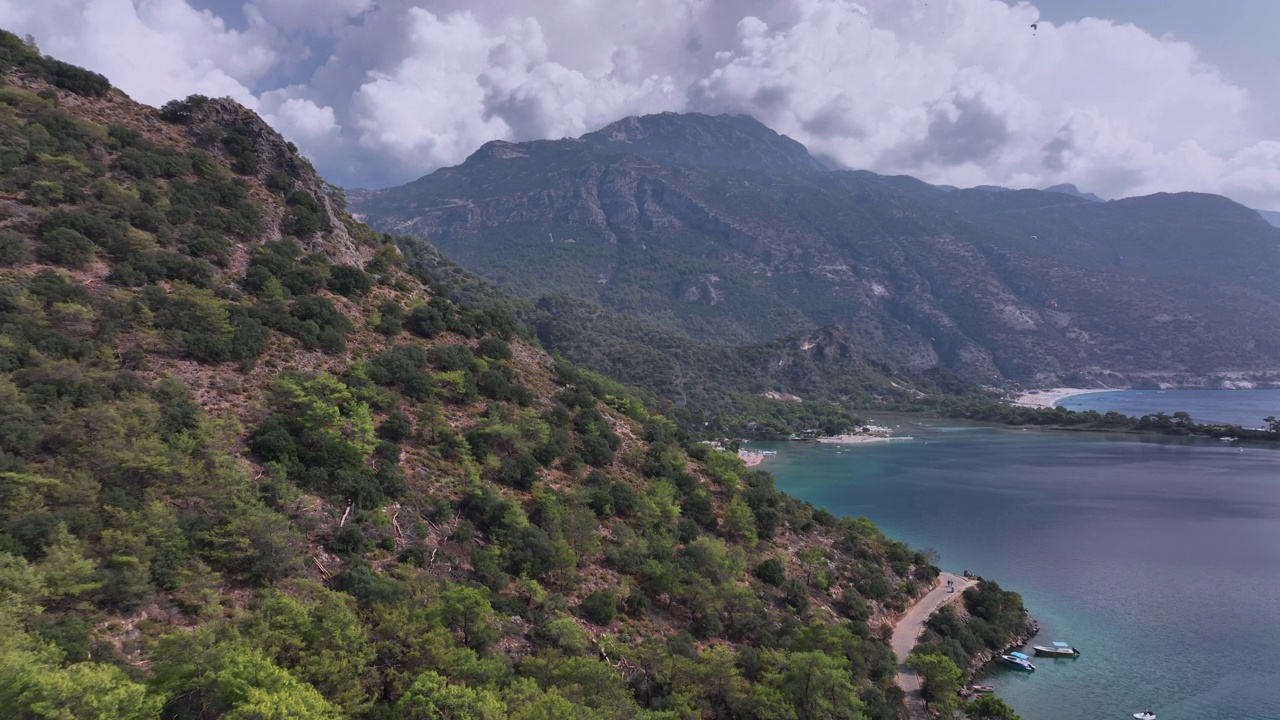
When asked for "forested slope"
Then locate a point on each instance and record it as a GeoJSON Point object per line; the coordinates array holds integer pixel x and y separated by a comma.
{"type": "Point", "coordinates": [252, 466]}
{"type": "Point", "coordinates": [718, 390]}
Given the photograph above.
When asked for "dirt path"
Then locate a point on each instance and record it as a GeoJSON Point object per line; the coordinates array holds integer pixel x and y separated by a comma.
{"type": "Point", "coordinates": [907, 630]}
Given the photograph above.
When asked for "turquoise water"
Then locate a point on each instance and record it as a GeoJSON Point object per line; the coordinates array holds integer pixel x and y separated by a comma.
{"type": "Point", "coordinates": [1245, 408]}
{"type": "Point", "coordinates": [1159, 559]}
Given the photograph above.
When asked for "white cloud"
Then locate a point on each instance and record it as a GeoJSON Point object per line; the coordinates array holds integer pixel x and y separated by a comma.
{"type": "Point", "coordinates": [954, 91]}
{"type": "Point", "coordinates": [301, 120]}
{"type": "Point", "coordinates": [429, 108]}
{"type": "Point", "coordinates": [155, 49]}
{"type": "Point", "coordinates": [313, 16]}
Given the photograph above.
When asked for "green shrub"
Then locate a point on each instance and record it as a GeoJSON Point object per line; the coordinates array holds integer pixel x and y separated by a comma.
{"type": "Point", "coordinates": [771, 572]}
{"type": "Point", "coordinates": [425, 321]}
{"type": "Point", "coordinates": [145, 161]}
{"type": "Point", "coordinates": [53, 287]}
{"type": "Point", "coordinates": [43, 193]}
{"type": "Point", "coordinates": [396, 428]}
{"type": "Point", "coordinates": [301, 222]}
{"type": "Point", "coordinates": [366, 585]}
{"type": "Point", "coordinates": [796, 594]}
{"type": "Point", "coordinates": [452, 357]}
{"type": "Point", "coordinates": [349, 541]}
{"type": "Point", "coordinates": [596, 451]}
{"type": "Point", "coordinates": [240, 144]}
{"type": "Point", "coordinates": [101, 230]}
{"type": "Point", "coordinates": [65, 247]}
{"type": "Point", "coordinates": [600, 607]}
{"type": "Point", "coordinates": [182, 111]}
{"type": "Point", "coordinates": [332, 340]}
{"type": "Point", "coordinates": [310, 276]}
{"type": "Point", "coordinates": [277, 257]}
{"type": "Point", "coordinates": [13, 249]}
{"type": "Point", "coordinates": [249, 337]}
{"type": "Point", "coordinates": [206, 243]}
{"type": "Point", "coordinates": [349, 281]}
{"type": "Point", "coordinates": [519, 472]}
{"type": "Point", "coordinates": [498, 383]}
{"type": "Point", "coordinates": [494, 348]}
{"type": "Point", "coordinates": [328, 326]}
{"type": "Point", "coordinates": [403, 367]}
{"type": "Point", "coordinates": [73, 79]}
{"type": "Point", "coordinates": [390, 318]}
{"type": "Point", "coordinates": [637, 603]}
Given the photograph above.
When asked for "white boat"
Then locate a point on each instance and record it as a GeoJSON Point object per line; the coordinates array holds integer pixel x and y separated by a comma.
{"type": "Point", "coordinates": [1019, 661]}
{"type": "Point", "coordinates": [1147, 715]}
{"type": "Point", "coordinates": [1058, 649]}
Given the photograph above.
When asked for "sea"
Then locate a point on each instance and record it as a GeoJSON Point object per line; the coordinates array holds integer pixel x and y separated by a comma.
{"type": "Point", "coordinates": [1158, 557]}
{"type": "Point", "coordinates": [1245, 408]}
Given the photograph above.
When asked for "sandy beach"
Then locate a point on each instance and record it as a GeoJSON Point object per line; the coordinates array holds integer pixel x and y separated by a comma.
{"type": "Point", "coordinates": [751, 458]}
{"type": "Point", "coordinates": [857, 439]}
{"type": "Point", "coordinates": [1052, 397]}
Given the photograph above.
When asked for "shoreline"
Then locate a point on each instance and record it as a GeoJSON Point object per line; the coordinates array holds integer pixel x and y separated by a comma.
{"type": "Point", "coordinates": [857, 439]}
{"type": "Point", "coordinates": [751, 458]}
{"type": "Point", "coordinates": [1053, 397]}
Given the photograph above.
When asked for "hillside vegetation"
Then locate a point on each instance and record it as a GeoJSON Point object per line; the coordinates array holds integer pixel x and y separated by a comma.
{"type": "Point", "coordinates": [713, 390]}
{"type": "Point", "coordinates": [723, 232]}
{"type": "Point", "coordinates": [252, 465]}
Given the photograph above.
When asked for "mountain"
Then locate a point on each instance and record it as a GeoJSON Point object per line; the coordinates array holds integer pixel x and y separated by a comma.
{"type": "Point", "coordinates": [741, 246]}
{"type": "Point", "coordinates": [1271, 217]}
{"type": "Point", "coordinates": [252, 464]}
{"type": "Point", "coordinates": [701, 141]}
{"type": "Point", "coordinates": [1070, 189]}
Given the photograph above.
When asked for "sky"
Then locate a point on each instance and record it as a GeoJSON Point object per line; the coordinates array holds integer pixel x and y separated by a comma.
{"type": "Point", "coordinates": [1118, 97]}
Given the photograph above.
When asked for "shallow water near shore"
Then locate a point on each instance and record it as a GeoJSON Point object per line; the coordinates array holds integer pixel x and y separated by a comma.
{"type": "Point", "coordinates": [1159, 559]}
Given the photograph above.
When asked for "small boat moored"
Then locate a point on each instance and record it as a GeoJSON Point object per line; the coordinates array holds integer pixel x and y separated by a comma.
{"type": "Point", "coordinates": [1058, 649]}
{"type": "Point", "coordinates": [1145, 715]}
{"type": "Point", "coordinates": [1019, 661]}
{"type": "Point", "coordinates": [983, 689]}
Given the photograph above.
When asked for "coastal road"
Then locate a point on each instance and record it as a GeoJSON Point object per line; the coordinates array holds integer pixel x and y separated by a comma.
{"type": "Point", "coordinates": [907, 631]}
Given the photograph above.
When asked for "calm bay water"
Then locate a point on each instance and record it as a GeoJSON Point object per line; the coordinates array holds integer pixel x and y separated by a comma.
{"type": "Point", "coordinates": [1236, 407]}
{"type": "Point", "coordinates": [1159, 559]}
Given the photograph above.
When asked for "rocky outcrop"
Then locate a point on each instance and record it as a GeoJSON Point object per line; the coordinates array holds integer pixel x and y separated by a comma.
{"type": "Point", "coordinates": [238, 137]}
{"type": "Point", "coordinates": [980, 661]}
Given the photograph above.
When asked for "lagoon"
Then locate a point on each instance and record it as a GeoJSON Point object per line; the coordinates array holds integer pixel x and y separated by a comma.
{"type": "Point", "coordinates": [1159, 558]}
{"type": "Point", "coordinates": [1245, 408]}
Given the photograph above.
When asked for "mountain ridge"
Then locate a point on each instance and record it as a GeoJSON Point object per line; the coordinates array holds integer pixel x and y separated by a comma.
{"type": "Point", "coordinates": [1271, 217]}
{"type": "Point", "coordinates": [965, 280]}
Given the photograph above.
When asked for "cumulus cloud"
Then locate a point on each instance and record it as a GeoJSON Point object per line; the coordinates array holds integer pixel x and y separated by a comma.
{"type": "Point", "coordinates": [954, 91]}
{"type": "Point", "coordinates": [155, 49]}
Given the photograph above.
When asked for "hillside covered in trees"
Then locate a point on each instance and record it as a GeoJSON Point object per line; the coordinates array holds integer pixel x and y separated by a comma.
{"type": "Point", "coordinates": [253, 465]}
